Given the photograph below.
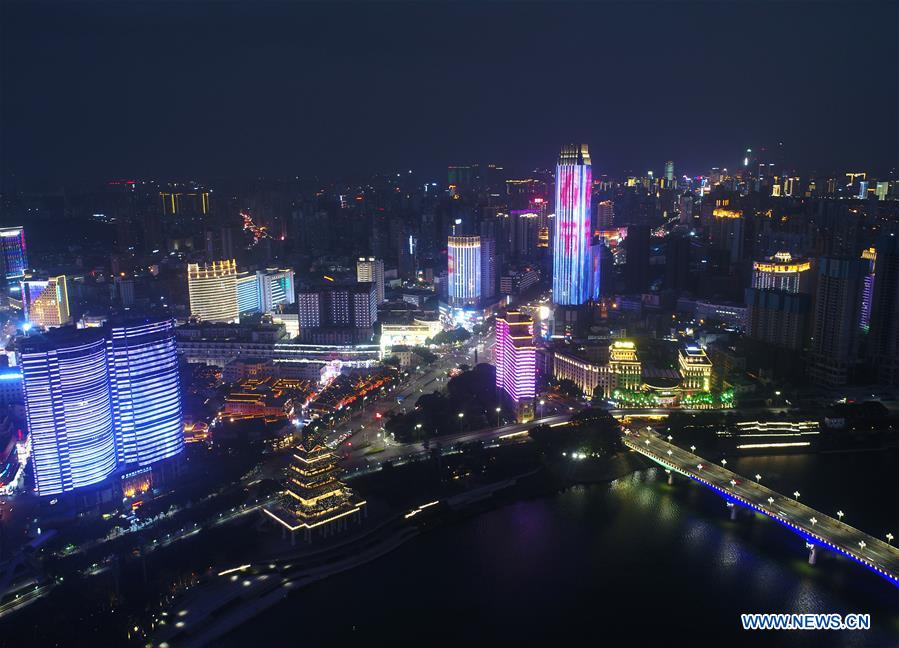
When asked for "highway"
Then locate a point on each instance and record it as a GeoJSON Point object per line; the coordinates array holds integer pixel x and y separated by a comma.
{"type": "Point", "coordinates": [820, 530]}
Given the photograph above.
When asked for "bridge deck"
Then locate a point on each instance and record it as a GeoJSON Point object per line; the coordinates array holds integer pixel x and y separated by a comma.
{"type": "Point", "coordinates": [817, 527]}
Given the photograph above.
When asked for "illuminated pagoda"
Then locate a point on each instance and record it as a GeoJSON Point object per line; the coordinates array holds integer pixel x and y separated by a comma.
{"type": "Point", "coordinates": [315, 498]}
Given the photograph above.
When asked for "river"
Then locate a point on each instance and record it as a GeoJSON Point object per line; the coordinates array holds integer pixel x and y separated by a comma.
{"type": "Point", "coordinates": [634, 561]}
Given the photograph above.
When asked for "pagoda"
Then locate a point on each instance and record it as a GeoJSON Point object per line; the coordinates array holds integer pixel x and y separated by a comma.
{"type": "Point", "coordinates": [315, 500]}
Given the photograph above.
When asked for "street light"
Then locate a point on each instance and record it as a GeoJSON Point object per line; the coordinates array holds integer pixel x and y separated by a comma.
{"type": "Point", "coordinates": [733, 483]}
{"type": "Point", "coordinates": [670, 438]}
{"type": "Point", "coordinates": [862, 544]}
{"type": "Point", "coordinates": [498, 410]}
{"type": "Point", "coordinates": [692, 448]}
{"type": "Point", "coordinates": [724, 462]}
{"type": "Point", "coordinates": [796, 494]}
{"type": "Point", "coordinates": [770, 500]}
{"type": "Point", "coordinates": [699, 466]}
{"type": "Point", "coordinates": [670, 453]}
{"type": "Point", "coordinates": [840, 515]}
{"type": "Point", "coordinates": [890, 538]}
{"type": "Point", "coordinates": [758, 477]}
{"type": "Point", "coordinates": [461, 416]}
{"type": "Point", "coordinates": [814, 521]}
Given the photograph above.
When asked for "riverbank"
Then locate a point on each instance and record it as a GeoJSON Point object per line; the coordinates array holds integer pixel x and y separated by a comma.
{"type": "Point", "coordinates": [233, 596]}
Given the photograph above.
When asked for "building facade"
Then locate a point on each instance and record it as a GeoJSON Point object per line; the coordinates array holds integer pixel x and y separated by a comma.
{"type": "Point", "coordinates": [572, 239]}
{"type": "Point", "coordinates": [213, 291]}
{"type": "Point", "coordinates": [371, 270]}
{"type": "Point", "coordinates": [46, 303]}
{"type": "Point", "coordinates": [101, 400]}
{"type": "Point", "coordinates": [516, 363]}
{"type": "Point", "coordinates": [463, 270]}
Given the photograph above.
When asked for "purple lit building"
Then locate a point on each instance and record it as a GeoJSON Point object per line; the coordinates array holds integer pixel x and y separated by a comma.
{"type": "Point", "coordinates": [516, 368]}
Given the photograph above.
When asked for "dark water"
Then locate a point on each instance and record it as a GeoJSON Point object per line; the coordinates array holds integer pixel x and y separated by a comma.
{"type": "Point", "coordinates": [636, 562]}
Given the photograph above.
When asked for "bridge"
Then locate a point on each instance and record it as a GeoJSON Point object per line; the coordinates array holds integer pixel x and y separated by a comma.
{"type": "Point", "coordinates": [818, 529]}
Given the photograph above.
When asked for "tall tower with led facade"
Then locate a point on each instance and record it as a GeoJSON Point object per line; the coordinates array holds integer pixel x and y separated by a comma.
{"type": "Point", "coordinates": [516, 362]}
{"type": "Point", "coordinates": [572, 254]}
{"type": "Point", "coordinates": [464, 270]}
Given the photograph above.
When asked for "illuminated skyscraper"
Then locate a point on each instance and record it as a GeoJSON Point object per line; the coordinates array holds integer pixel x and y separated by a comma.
{"type": "Point", "coordinates": [783, 272]}
{"type": "Point", "coordinates": [372, 270]}
{"type": "Point", "coordinates": [46, 303]}
{"type": "Point", "coordinates": [516, 368]}
{"type": "Point", "coordinates": [100, 400]}
{"type": "Point", "coordinates": [464, 270]}
{"type": "Point", "coordinates": [13, 255]}
{"type": "Point", "coordinates": [669, 173]}
{"type": "Point", "coordinates": [572, 237]}
{"type": "Point", "coordinates": [69, 409]}
{"type": "Point", "coordinates": [213, 291]}
{"type": "Point", "coordinates": [146, 388]}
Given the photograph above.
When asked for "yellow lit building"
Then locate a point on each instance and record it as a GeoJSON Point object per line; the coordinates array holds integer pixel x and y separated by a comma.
{"type": "Point", "coordinates": [782, 272]}
{"type": "Point", "coordinates": [623, 371]}
{"type": "Point", "coordinates": [46, 303]}
{"type": "Point", "coordinates": [315, 499]}
{"type": "Point", "coordinates": [695, 369]}
{"type": "Point", "coordinates": [213, 291]}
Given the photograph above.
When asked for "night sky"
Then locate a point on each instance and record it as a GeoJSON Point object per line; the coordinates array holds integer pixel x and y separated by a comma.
{"type": "Point", "coordinates": [204, 90]}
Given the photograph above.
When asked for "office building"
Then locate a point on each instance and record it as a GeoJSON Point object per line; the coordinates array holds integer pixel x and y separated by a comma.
{"type": "Point", "coordinates": [68, 403]}
{"type": "Point", "coordinates": [101, 401]}
{"type": "Point", "coordinates": [13, 254]}
{"type": "Point", "coordinates": [213, 291]}
{"type": "Point", "coordinates": [488, 268]}
{"type": "Point", "coordinates": [864, 316]}
{"type": "Point", "coordinates": [669, 173]}
{"type": "Point", "coordinates": [371, 270]}
{"type": "Point", "coordinates": [463, 270]}
{"type": "Point", "coordinates": [46, 303]}
{"type": "Point", "coordinates": [146, 388]}
{"type": "Point", "coordinates": [572, 240]}
{"type": "Point", "coordinates": [516, 368]}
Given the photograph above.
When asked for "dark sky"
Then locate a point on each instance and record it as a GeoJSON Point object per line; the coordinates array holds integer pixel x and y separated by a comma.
{"type": "Point", "coordinates": [92, 91]}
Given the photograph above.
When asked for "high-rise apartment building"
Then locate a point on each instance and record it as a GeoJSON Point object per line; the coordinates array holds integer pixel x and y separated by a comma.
{"type": "Point", "coordinates": [572, 240]}
{"type": "Point", "coordinates": [884, 333]}
{"type": "Point", "coordinates": [337, 313]}
{"type": "Point", "coordinates": [213, 291]}
{"type": "Point", "coordinates": [371, 270]}
{"type": "Point", "coordinates": [516, 368]}
{"type": "Point", "coordinates": [833, 346]}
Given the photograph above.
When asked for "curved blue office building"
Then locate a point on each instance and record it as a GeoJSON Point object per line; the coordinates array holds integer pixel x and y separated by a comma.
{"type": "Point", "coordinates": [69, 408]}
{"type": "Point", "coordinates": [101, 400]}
{"type": "Point", "coordinates": [146, 389]}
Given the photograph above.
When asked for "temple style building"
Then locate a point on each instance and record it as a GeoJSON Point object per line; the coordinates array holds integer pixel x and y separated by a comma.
{"type": "Point", "coordinates": [315, 499]}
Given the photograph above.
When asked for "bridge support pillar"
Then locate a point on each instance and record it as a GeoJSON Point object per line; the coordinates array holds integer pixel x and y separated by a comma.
{"type": "Point", "coordinates": [733, 510]}
{"type": "Point", "coordinates": [812, 553]}
{"type": "Point", "coordinates": [670, 477]}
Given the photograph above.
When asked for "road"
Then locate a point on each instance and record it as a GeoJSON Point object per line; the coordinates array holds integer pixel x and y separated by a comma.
{"type": "Point", "coordinates": [357, 460]}
{"type": "Point", "coordinates": [818, 528]}
{"type": "Point", "coordinates": [361, 428]}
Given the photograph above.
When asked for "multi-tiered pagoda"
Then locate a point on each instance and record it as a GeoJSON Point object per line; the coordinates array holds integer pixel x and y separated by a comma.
{"type": "Point", "coordinates": [315, 499]}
